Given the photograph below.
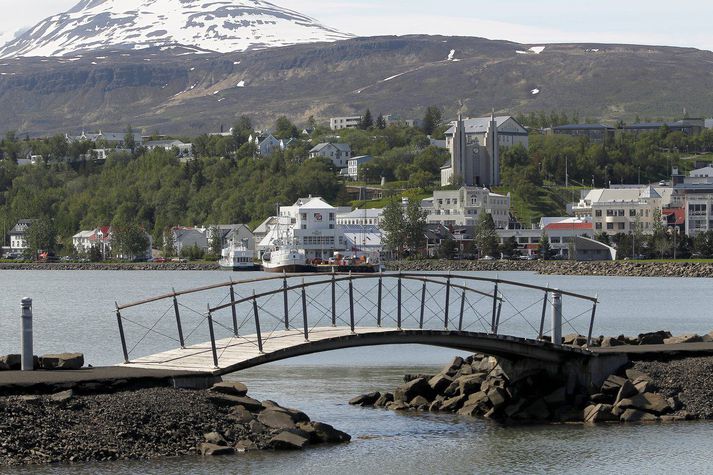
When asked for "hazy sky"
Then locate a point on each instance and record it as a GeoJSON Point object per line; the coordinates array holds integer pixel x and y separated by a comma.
{"type": "Point", "coordinates": [681, 23]}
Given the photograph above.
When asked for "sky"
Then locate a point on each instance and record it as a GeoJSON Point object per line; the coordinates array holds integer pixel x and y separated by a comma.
{"type": "Point", "coordinates": [655, 22]}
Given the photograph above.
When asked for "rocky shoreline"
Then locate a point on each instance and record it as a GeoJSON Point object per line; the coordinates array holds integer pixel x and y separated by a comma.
{"type": "Point", "coordinates": [132, 266]}
{"type": "Point", "coordinates": [148, 423]}
{"type": "Point", "coordinates": [598, 268]}
{"type": "Point", "coordinates": [512, 393]}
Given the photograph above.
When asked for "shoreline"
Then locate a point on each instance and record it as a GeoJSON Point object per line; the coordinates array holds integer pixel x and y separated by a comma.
{"type": "Point", "coordinates": [591, 268]}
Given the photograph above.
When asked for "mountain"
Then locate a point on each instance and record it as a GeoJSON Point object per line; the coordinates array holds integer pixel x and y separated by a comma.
{"type": "Point", "coordinates": [175, 92]}
{"type": "Point", "coordinates": [204, 25]}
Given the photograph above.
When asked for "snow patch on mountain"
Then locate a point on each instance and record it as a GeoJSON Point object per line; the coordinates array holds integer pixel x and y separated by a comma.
{"type": "Point", "coordinates": [206, 25]}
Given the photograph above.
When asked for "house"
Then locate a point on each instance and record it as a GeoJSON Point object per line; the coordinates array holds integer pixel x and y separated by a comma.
{"type": "Point", "coordinates": [434, 236]}
{"type": "Point", "coordinates": [185, 238]}
{"type": "Point", "coordinates": [82, 241]}
{"type": "Point", "coordinates": [338, 153]}
{"type": "Point", "coordinates": [561, 233]}
{"type": "Point", "coordinates": [184, 149]}
{"type": "Point", "coordinates": [396, 120]}
{"type": "Point", "coordinates": [113, 139]}
{"type": "Point", "coordinates": [365, 239]}
{"type": "Point", "coordinates": [705, 172]}
{"type": "Point", "coordinates": [475, 146]}
{"type": "Point", "coordinates": [463, 206]}
{"type": "Point", "coordinates": [231, 234]}
{"type": "Point", "coordinates": [598, 133]}
{"type": "Point", "coordinates": [102, 238]}
{"type": "Point", "coordinates": [18, 235]}
{"type": "Point", "coordinates": [354, 164]}
{"type": "Point", "coordinates": [266, 145]}
{"type": "Point", "coordinates": [686, 126]}
{"type": "Point", "coordinates": [349, 122]}
{"type": "Point", "coordinates": [101, 154]}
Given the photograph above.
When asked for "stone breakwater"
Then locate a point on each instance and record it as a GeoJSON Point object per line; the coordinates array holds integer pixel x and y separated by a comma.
{"type": "Point", "coordinates": [512, 392]}
{"type": "Point", "coordinates": [149, 423]}
{"type": "Point", "coordinates": [603, 268]}
{"type": "Point", "coordinates": [109, 266]}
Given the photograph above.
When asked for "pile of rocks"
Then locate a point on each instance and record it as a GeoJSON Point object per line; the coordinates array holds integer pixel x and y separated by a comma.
{"type": "Point", "coordinates": [661, 337]}
{"type": "Point", "coordinates": [478, 386]}
{"type": "Point", "coordinates": [47, 362]}
{"type": "Point", "coordinates": [193, 266]}
{"type": "Point", "coordinates": [150, 423]}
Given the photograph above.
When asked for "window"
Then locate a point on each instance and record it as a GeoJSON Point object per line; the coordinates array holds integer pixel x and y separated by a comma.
{"type": "Point", "coordinates": [610, 225]}
{"type": "Point", "coordinates": [555, 240]}
{"type": "Point", "coordinates": [303, 216]}
{"type": "Point", "coordinates": [597, 225]}
{"type": "Point", "coordinates": [331, 216]}
{"type": "Point", "coordinates": [632, 212]}
{"type": "Point", "coordinates": [598, 213]}
{"type": "Point", "coordinates": [610, 212]}
{"type": "Point", "coordinates": [620, 212]}
{"type": "Point", "coordinates": [621, 225]}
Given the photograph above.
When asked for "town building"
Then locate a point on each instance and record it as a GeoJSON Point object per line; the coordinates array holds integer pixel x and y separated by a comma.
{"type": "Point", "coordinates": [184, 149]}
{"type": "Point", "coordinates": [597, 133]}
{"type": "Point", "coordinates": [348, 122]}
{"type": "Point", "coordinates": [101, 238]}
{"type": "Point", "coordinates": [18, 235]}
{"type": "Point", "coordinates": [397, 121]}
{"type": "Point", "coordinates": [111, 139]}
{"type": "Point", "coordinates": [362, 238]}
{"type": "Point", "coordinates": [355, 163]}
{"type": "Point", "coordinates": [687, 126]}
{"type": "Point", "coordinates": [475, 146]}
{"type": "Point", "coordinates": [361, 217]}
{"type": "Point", "coordinates": [561, 234]}
{"type": "Point", "coordinates": [265, 145]}
{"type": "Point", "coordinates": [231, 234]}
{"type": "Point", "coordinates": [185, 238]}
{"type": "Point", "coordinates": [463, 206]}
{"type": "Point", "coordinates": [338, 153]}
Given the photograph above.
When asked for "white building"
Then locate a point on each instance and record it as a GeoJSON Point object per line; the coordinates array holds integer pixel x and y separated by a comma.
{"type": "Point", "coordinates": [18, 235]}
{"type": "Point", "coordinates": [266, 145]}
{"type": "Point", "coordinates": [349, 122]}
{"type": "Point", "coordinates": [101, 238]}
{"type": "Point", "coordinates": [355, 163]}
{"type": "Point", "coordinates": [184, 149]}
{"type": "Point", "coordinates": [561, 235]}
{"type": "Point", "coordinates": [475, 146]}
{"type": "Point", "coordinates": [338, 153]}
{"type": "Point", "coordinates": [462, 207]}
{"type": "Point", "coordinates": [361, 217]}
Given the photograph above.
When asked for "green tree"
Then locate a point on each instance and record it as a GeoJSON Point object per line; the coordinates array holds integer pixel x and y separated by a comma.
{"type": "Point", "coordinates": [215, 244]}
{"type": "Point", "coordinates": [448, 248]}
{"type": "Point", "coordinates": [242, 130]}
{"type": "Point", "coordinates": [415, 226]}
{"type": "Point", "coordinates": [509, 247]}
{"type": "Point", "coordinates": [380, 122]}
{"type": "Point", "coordinates": [41, 236]}
{"type": "Point", "coordinates": [486, 237]}
{"type": "Point", "coordinates": [129, 141]}
{"type": "Point", "coordinates": [703, 244]}
{"type": "Point", "coordinates": [546, 252]}
{"type": "Point", "coordinates": [129, 241]}
{"type": "Point", "coordinates": [394, 226]}
{"type": "Point", "coordinates": [367, 121]}
{"type": "Point", "coordinates": [285, 129]}
{"type": "Point", "coordinates": [431, 120]}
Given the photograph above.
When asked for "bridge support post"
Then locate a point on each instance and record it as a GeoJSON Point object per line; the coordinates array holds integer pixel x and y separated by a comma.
{"type": "Point", "coordinates": [423, 305]}
{"type": "Point", "coordinates": [285, 305]}
{"type": "Point", "coordinates": [378, 302]}
{"type": "Point", "coordinates": [591, 322]}
{"type": "Point", "coordinates": [232, 308]}
{"type": "Point", "coordinates": [178, 320]}
{"type": "Point", "coordinates": [334, 300]}
{"type": "Point", "coordinates": [257, 324]}
{"type": "Point", "coordinates": [556, 317]}
{"type": "Point", "coordinates": [462, 308]}
{"type": "Point", "coordinates": [497, 320]}
{"type": "Point", "coordinates": [542, 320]}
{"type": "Point", "coordinates": [212, 338]}
{"type": "Point", "coordinates": [495, 309]}
{"type": "Point", "coordinates": [398, 303]}
{"type": "Point", "coordinates": [304, 311]}
{"type": "Point", "coordinates": [121, 333]}
{"type": "Point", "coordinates": [351, 302]}
{"type": "Point", "coordinates": [448, 300]}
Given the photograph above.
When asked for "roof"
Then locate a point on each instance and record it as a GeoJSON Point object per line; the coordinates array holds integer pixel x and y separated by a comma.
{"type": "Point", "coordinates": [649, 192]}
{"type": "Point", "coordinates": [84, 234]}
{"type": "Point", "coordinates": [21, 226]}
{"type": "Point", "coordinates": [339, 146]}
{"type": "Point", "coordinates": [678, 213]}
{"type": "Point", "coordinates": [569, 226]}
{"type": "Point", "coordinates": [361, 159]}
{"type": "Point", "coordinates": [583, 127]}
{"type": "Point", "coordinates": [480, 124]}
{"type": "Point", "coordinates": [315, 202]}
{"type": "Point", "coordinates": [611, 195]}
{"type": "Point", "coordinates": [163, 143]}
{"type": "Point", "coordinates": [362, 213]}
{"type": "Point", "coordinates": [702, 172]}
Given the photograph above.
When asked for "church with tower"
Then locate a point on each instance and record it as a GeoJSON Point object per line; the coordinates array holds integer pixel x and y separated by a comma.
{"type": "Point", "coordinates": [475, 146]}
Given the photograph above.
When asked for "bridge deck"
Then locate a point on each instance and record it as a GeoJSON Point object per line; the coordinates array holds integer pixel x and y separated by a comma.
{"type": "Point", "coordinates": [242, 352]}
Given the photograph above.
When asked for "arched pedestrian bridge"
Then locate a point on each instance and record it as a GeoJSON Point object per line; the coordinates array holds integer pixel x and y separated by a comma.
{"type": "Point", "coordinates": [240, 324]}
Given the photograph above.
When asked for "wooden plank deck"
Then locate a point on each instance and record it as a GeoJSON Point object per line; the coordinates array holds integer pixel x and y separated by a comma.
{"type": "Point", "coordinates": [235, 350]}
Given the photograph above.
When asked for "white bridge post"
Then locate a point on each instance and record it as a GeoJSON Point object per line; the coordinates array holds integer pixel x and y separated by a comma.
{"type": "Point", "coordinates": [27, 362]}
{"type": "Point", "coordinates": [556, 317]}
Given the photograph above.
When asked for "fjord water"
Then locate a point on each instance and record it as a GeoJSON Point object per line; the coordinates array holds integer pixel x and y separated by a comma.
{"type": "Point", "coordinates": [74, 312]}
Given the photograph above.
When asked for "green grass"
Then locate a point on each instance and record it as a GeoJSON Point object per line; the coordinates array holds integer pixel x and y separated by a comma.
{"type": "Point", "coordinates": [528, 211]}
{"type": "Point", "coordinates": [412, 194]}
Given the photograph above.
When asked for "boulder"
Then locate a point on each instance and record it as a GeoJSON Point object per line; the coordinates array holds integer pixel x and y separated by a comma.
{"type": "Point", "coordinates": [365, 399]}
{"type": "Point", "coordinates": [440, 382]}
{"type": "Point", "coordinates": [275, 419]}
{"type": "Point", "coordinates": [233, 388]}
{"type": "Point", "coordinates": [649, 402]}
{"type": "Point", "coordinates": [454, 366]}
{"type": "Point", "coordinates": [601, 398]}
{"type": "Point", "coordinates": [289, 440]}
{"type": "Point", "coordinates": [241, 415]}
{"type": "Point", "coordinates": [470, 384]}
{"type": "Point", "coordinates": [612, 385]}
{"type": "Point", "coordinates": [575, 339]}
{"type": "Point", "coordinates": [327, 434]}
{"type": "Point", "coordinates": [687, 338]}
{"type": "Point", "coordinates": [498, 397]}
{"type": "Point", "coordinates": [644, 386]}
{"type": "Point", "coordinates": [674, 403]}
{"type": "Point", "coordinates": [599, 413]}
{"type": "Point", "coordinates": [214, 438]}
{"type": "Point", "coordinates": [397, 406]}
{"type": "Point", "coordinates": [418, 401]}
{"type": "Point", "coordinates": [62, 396]}
{"type": "Point", "coordinates": [226, 400]}
{"type": "Point", "coordinates": [653, 338]}
{"type": "Point", "coordinates": [635, 375]}
{"type": "Point", "coordinates": [635, 415]}
{"type": "Point", "coordinates": [477, 398]}
{"type": "Point", "coordinates": [453, 404]}
{"type": "Point", "coordinates": [465, 370]}
{"type": "Point", "coordinates": [62, 361]}
{"type": "Point", "coordinates": [470, 410]}
{"type": "Point", "coordinates": [208, 449]}
{"type": "Point", "coordinates": [384, 399]}
{"type": "Point", "coordinates": [257, 427]}
{"type": "Point", "coordinates": [10, 362]}
{"type": "Point", "coordinates": [417, 387]}
{"type": "Point", "coordinates": [626, 390]}
{"type": "Point", "coordinates": [245, 445]}
{"type": "Point", "coordinates": [610, 341]}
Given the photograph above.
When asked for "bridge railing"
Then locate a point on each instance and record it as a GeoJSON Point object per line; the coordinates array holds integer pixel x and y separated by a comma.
{"type": "Point", "coordinates": [252, 313]}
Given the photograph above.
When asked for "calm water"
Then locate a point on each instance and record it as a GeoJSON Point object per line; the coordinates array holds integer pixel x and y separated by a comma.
{"type": "Point", "coordinates": [73, 311]}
